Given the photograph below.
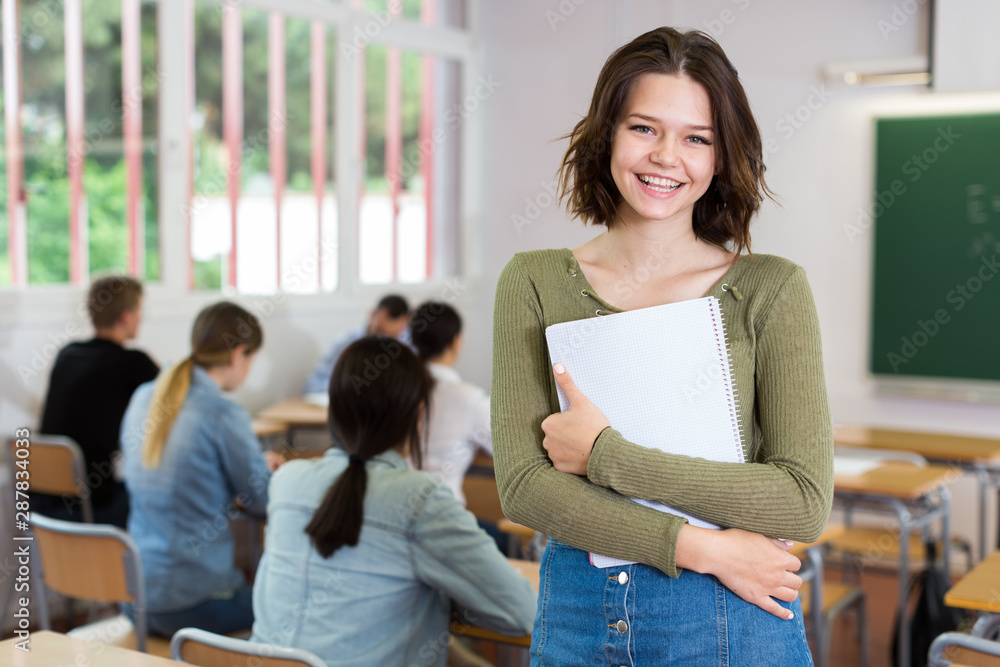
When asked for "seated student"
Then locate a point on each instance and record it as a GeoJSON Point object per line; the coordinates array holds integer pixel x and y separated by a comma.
{"type": "Point", "coordinates": [364, 556]}
{"type": "Point", "coordinates": [192, 462]}
{"type": "Point", "coordinates": [459, 422]}
{"type": "Point", "coordinates": [89, 388]}
{"type": "Point", "coordinates": [389, 318]}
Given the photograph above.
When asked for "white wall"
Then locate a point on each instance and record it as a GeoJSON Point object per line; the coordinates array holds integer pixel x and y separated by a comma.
{"type": "Point", "coordinates": [546, 67]}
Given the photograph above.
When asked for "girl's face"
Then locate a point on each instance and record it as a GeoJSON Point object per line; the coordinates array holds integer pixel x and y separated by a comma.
{"type": "Point", "coordinates": [663, 158]}
{"type": "Point", "coordinates": [239, 367]}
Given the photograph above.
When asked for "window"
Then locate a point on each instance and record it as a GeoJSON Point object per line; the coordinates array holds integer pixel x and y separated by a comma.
{"type": "Point", "coordinates": [79, 167]}
{"type": "Point", "coordinates": [308, 145]}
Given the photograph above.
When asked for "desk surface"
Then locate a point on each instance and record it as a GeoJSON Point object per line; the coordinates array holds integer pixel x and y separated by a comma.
{"type": "Point", "coordinates": [936, 446]}
{"type": "Point", "coordinates": [295, 412]}
{"type": "Point", "coordinates": [895, 479]}
{"type": "Point", "coordinates": [264, 428]}
{"type": "Point", "coordinates": [979, 589]}
{"type": "Point", "coordinates": [52, 649]}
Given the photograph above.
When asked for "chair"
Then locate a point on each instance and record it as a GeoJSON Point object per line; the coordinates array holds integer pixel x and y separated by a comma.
{"type": "Point", "coordinates": [199, 647]}
{"type": "Point", "coordinates": [94, 562]}
{"type": "Point", "coordinates": [822, 600]}
{"type": "Point", "coordinates": [956, 648]}
{"type": "Point", "coordinates": [57, 467]}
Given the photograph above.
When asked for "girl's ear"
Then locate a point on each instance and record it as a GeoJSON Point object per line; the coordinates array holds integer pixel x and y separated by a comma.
{"type": "Point", "coordinates": [240, 350]}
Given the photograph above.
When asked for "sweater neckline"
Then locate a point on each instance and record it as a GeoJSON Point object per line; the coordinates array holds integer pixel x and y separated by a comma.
{"type": "Point", "coordinates": [575, 272]}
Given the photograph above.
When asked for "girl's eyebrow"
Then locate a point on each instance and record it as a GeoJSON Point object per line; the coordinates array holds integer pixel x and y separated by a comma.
{"type": "Point", "coordinates": [653, 119]}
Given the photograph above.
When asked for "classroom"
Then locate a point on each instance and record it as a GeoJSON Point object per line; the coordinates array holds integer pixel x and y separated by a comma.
{"type": "Point", "coordinates": [305, 158]}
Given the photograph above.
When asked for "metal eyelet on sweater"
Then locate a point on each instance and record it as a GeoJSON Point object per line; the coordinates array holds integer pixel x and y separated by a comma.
{"type": "Point", "coordinates": [724, 286]}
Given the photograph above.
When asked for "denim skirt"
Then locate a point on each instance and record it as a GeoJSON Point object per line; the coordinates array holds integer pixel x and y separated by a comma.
{"type": "Point", "coordinates": [636, 615]}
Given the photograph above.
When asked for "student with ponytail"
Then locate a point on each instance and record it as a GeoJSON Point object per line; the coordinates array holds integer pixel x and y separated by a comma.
{"type": "Point", "coordinates": [365, 556]}
{"type": "Point", "coordinates": [191, 463]}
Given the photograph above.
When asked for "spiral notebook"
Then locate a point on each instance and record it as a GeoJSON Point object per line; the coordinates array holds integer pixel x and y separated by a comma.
{"type": "Point", "coordinates": [662, 376]}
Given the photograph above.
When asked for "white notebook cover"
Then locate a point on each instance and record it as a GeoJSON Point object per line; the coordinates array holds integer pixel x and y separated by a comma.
{"type": "Point", "coordinates": [662, 377]}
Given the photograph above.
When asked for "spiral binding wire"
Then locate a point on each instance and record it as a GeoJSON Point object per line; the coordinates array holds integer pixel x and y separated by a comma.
{"type": "Point", "coordinates": [725, 359]}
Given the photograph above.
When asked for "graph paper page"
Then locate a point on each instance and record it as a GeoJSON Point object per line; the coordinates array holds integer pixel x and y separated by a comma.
{"type": "Point", "coordinates": [662, 377]}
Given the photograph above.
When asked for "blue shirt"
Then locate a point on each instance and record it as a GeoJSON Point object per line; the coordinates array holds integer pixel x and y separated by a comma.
{"type": "Point", "coordinates": [180, 510]}
{"type": "Point", "coordinates": [386, 601]}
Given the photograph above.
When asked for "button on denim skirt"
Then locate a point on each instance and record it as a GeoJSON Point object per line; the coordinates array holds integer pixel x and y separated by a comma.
{"type": "Point", "coordinates": [636, 615]}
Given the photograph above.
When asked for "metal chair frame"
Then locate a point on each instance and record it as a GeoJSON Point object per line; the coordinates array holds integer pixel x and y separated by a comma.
{"type": "Point", "coordinates": [253, 652]}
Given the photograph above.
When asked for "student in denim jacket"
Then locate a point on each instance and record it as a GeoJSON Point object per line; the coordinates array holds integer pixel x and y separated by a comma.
{"type": "Point", "coordinates": [192, 462]}
{"type": "Point", "coordinates": [365, 557]}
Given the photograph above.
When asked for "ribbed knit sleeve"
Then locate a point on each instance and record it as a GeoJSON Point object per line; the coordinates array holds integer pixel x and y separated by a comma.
{"type": "Point", "coordinates": [786, 489]}
{"type": "Point", "coordinates": [533, 493]}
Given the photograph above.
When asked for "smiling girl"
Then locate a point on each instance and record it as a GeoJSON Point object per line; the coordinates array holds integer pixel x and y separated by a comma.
{"type": "Point", "coordinates": [668, 160]}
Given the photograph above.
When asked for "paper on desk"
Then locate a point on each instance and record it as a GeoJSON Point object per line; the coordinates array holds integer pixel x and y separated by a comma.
{"type": "Point", "coordinates": [319, 398]}
{"type": "Point", "coordinates": [849, 466]}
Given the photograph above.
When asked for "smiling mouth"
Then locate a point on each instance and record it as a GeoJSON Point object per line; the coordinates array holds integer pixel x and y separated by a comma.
{"type": "Point", "coordinates": [657, 184]}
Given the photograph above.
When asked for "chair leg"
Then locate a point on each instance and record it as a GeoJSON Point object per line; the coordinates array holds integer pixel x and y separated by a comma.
{"type": "Point", "coordinates": [863, 631]}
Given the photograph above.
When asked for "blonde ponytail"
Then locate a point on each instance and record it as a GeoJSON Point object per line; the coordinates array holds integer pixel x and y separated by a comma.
{"type": "Point", "coordinates": [168, 396]}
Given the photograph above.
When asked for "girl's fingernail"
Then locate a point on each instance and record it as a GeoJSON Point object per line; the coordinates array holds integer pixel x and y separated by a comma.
{"type": "Point", "coordinates": [559, 369]}
{"type": "Point", "coordinates": [791, 615]}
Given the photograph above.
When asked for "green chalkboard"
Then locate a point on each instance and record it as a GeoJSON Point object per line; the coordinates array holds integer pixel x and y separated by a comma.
{"type": "Point", "coordinates": [936, 214]}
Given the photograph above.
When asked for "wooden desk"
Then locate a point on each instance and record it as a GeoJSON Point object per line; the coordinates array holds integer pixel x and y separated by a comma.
{"type": "Point", "coordinates": [897, 480]}
{"type": "Point", "coordinates": [52, 649]}
{"type": "Point", "coordinates": [980, 456]}
{"type": "Point", "coordinates": [530, 571]}
{"type": "Point", "coordinates": [917, 496]}
{"type": "Point", "coordinates": [979, 590]}
{"type": "Point", "coordinates": [296, 413]}
{"type": "Point", "coordinates": [265, 428]}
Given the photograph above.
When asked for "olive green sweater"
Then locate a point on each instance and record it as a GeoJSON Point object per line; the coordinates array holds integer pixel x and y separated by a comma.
{"type": "Point", "coordinates": [785, 489]}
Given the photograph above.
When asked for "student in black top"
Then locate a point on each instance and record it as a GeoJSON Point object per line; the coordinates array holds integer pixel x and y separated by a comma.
{"type": "Point", "coordinates": [89, 389]}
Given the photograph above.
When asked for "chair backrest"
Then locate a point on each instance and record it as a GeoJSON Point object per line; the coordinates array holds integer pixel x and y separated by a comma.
{"type": "Point", "coordinates": [206, 649]}
{"type": "Point", "coordinates": [90, 562]}
{"type": "Point", "coordinates": [57, 467]}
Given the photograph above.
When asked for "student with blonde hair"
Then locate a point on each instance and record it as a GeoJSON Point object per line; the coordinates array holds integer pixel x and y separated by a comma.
{"type": "Point", "coordinates": [192, 462]}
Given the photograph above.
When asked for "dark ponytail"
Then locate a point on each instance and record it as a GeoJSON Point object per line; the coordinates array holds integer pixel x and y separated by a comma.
{"type": "Point", "coordinates": [378, 392]}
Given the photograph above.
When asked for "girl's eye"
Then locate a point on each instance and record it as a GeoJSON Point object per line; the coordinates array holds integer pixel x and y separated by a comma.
{"type": "Point", "coordinates": [700, 140]}
{"type": "Point", "coordinates": [644, 129]}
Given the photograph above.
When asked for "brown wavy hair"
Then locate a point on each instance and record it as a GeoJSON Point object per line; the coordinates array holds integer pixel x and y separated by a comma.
{"type": "Point", "coordinates": [724, 212]}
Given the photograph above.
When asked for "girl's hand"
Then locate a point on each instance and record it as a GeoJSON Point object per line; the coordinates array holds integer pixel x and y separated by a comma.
{"type": "Point", "coordinates": [570, 435]}
{"type": "Point", "coordinates": [273, 459]}
{"type": "Point", "coordinates": [755, 567]}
